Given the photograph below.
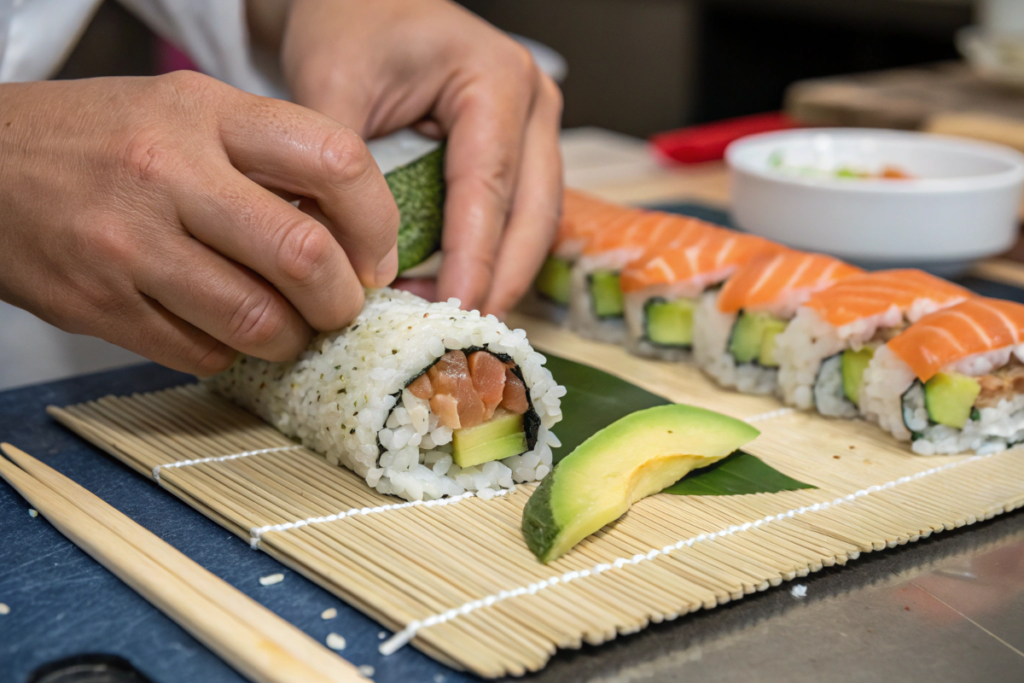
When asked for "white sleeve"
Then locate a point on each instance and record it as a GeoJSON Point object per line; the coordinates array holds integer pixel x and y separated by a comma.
{"type": "Point", "coordinates": [37, 35]}
{"type": "Point", "coordinates": [215, 34]}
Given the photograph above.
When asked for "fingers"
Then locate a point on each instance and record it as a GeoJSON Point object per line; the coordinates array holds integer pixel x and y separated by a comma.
{"type": "Point", "coordinates": [152, 331]}
{"type": "Point", "coordinates": [293, 149]}
{"type": "Point", "coordinates": [226, 301]}
{"type": "Point", "coordinates": [537, 205]}
{"type": "Point", "coordinates": [486, 125]}
{"type": "Point", "coordinates": [287, 247]}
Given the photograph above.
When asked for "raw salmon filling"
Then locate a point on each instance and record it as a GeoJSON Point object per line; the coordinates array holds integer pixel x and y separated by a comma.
{"type": "Point", "coordinates": [465, 392]}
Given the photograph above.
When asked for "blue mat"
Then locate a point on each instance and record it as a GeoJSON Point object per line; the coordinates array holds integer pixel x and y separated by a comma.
{"type": "Point", "coordinates": [62, 603]}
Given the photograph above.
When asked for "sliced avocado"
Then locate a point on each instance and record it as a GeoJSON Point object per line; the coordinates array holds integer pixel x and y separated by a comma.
{"type": "Point", "coordinates": [949, 397]}
{"type": "Point", "coordinates": [553, 280]}
{"type": "Point", "coordinates": [419, 191]}
{"type": "Point", "coordinates": [773, 328]}
{"type": "Point", "coordinates": [854, 365]}
{"type": "Point", "coordinates": [669, 323]}
{"type": "Point", "coordinates": [498, 439]}
{"type": "Point", "coordinates": [606, 294]}
{"type": "Point", "coordinates": [634, 457]}
{"type": "Point", "coordinates": [746, 344]}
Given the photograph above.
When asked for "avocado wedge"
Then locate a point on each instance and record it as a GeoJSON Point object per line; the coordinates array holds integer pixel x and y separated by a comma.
{"type": "Point", "coordinates": [634, 457]}
{"type": "Point", "coordinates": [949, 398]}
{"type": "Point", "coordinates": [854, 363]}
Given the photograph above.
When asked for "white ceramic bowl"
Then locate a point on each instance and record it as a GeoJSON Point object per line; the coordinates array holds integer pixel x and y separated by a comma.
{"type": "Point", "coordinates": [961, 204]}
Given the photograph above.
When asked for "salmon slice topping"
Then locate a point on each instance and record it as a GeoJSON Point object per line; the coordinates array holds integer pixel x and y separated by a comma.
{"type": "Point", "coordinates": [582, 216]}
{"type": "Point", "coordinates": [700, 250]}
{"type": "Point", "coordinates": [465, 392]}
{"type": "Point", "coordinates": [870, 294]}
{"type": "Point", "coordinates": [974, 326]}
{"type": "Point", "coordinates": [633, 229]}
{"type": "Point", "coordinates": [769, 280]}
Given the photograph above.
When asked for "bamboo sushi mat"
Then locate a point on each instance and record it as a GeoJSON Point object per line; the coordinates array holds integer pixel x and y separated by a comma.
{"type": "Point", "coordinates": [454, 577]}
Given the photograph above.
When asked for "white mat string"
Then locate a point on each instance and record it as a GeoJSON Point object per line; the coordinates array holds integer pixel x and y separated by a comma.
{"type": "Point", "coordinates": [256, 533]}
{"type": "Point", "coordinates": [219, 458]}
{"type": "Point", "coordinates": [400, 639]}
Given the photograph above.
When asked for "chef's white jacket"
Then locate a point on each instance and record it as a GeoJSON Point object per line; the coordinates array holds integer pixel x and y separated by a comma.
{"type": "Point", "coordinates": [37, 35]}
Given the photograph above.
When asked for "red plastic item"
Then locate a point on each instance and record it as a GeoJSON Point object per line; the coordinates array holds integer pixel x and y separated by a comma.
{"type": "Point", "coordinates": [707, 142]}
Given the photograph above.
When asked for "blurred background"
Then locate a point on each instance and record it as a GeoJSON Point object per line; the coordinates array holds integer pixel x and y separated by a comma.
{"type": "Point", "coordinates": [640, 67]}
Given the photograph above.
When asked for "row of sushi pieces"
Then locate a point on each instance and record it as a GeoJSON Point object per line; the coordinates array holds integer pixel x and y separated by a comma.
{"type": "Point", "coordinates": [925, 359]}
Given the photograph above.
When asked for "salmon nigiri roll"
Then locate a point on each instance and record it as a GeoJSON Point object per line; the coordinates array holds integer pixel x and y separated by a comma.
{"type": "Point", "coordinates": [823, 352]}
{"type": "Point", "coordinates": [582, 216]}
{"type": "Point", "coordinates": [735, 327]}
{"type": "Point", "coordinates": [662, 287]}
{"type": "Point", "coordinates": [596, 308]}
{"type": "Point", "coordinates": [953, 381]}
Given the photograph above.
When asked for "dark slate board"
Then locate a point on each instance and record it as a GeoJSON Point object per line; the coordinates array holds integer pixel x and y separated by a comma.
{"type": "Point", "coordinates": [64, 604]}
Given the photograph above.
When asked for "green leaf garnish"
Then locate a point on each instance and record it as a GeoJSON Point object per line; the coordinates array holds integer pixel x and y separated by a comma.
{"type": "Point", "coordinates": [739, 474]}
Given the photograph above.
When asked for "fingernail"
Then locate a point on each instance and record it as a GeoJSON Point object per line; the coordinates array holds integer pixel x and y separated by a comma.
{"type": "Point", "coordinates": [387, 269]}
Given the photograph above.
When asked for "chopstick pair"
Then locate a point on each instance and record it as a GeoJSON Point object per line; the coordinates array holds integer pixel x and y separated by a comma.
{"type": "Point", "coordinates": [259, 644]}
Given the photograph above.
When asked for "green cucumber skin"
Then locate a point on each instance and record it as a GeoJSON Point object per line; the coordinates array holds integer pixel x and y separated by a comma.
{"type": "Point", "coordinates": [539, 526]}
{"type": "Point", "coordinates": [419, 192]}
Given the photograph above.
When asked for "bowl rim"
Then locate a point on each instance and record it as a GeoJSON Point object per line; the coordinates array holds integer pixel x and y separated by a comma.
{"type": "Point", "coordinates": [1000, 179]}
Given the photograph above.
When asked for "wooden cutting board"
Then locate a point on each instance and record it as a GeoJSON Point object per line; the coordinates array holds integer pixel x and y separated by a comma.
{"type": "Point", "coordinates": [933, 97]}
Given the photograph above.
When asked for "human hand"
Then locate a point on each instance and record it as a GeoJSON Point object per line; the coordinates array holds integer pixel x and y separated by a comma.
{"type": "Point", "coordinates": [153, 212]}
{"type": "Point", "coordinates": [383, 65]}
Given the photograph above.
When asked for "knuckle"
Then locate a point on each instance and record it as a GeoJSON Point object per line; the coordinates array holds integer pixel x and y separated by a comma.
{"type": "Point", "coordinates": [520, 63]}
{"type": "Point", "coordinates": [110, 245]}
{"type": "Point", "coordinates": [304, 250]}
{"type": "Point", "coordinates": [148, 156]}
{"type": "Point", "coordinates": [256, 322]}
{"type": "Point", "coordinates": [344, 157]}
{"type": "Point", "coordinates": [187, 84]}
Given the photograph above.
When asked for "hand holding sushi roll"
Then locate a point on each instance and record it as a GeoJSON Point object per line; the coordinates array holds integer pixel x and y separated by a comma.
{"type": "Point", "coordinates": [387, 64]}
{"type": "Point", "coordinates": [146, 211]}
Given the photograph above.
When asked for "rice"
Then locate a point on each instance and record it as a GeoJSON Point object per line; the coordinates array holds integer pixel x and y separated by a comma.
{"type": "Point", "coordinates": [346, 397]}
{"type": "Point", "coordinates": [712, 329]}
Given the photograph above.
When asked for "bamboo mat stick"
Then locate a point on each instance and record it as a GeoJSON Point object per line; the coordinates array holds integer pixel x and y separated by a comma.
{"type": "Point", "coordinates": [254, 640]}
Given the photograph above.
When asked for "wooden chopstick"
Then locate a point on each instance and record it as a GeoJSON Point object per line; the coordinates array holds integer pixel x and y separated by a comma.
{"type": "Point", "coordinates": [259, 644]}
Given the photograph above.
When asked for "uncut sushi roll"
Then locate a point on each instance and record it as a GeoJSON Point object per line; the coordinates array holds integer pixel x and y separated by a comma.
{"type": "Point", "coordinates": [662, 288]}
{"type": "Point", "coordinates": [582, 216]}
{"type": "Point", "coordinates": [953, 381]}
{"type": "Point", "coordinates": [823, 352]}
{"type": "Point", "coordinates": [422, 400]}
{"type": "Point", "coordinates": [736, 326]}
{"type": "Point", "coordinates": [596, 305]}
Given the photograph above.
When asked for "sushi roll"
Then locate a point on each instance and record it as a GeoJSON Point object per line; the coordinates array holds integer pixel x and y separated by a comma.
{"type": "Point", "coordinates": [953, 381]}
{"type": "Point", "coordinates": [422, 400]}
{"type": "Point", "coordinates": [823, 352]}
{"type": "Point", "coordinates": [735, 327]}
{"type": "Point", "coordinates": [582, 216]}
{"type": "Point", "coordinates": [662, 288]}
{"type": "Point", "coordinates": [596, 305]}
